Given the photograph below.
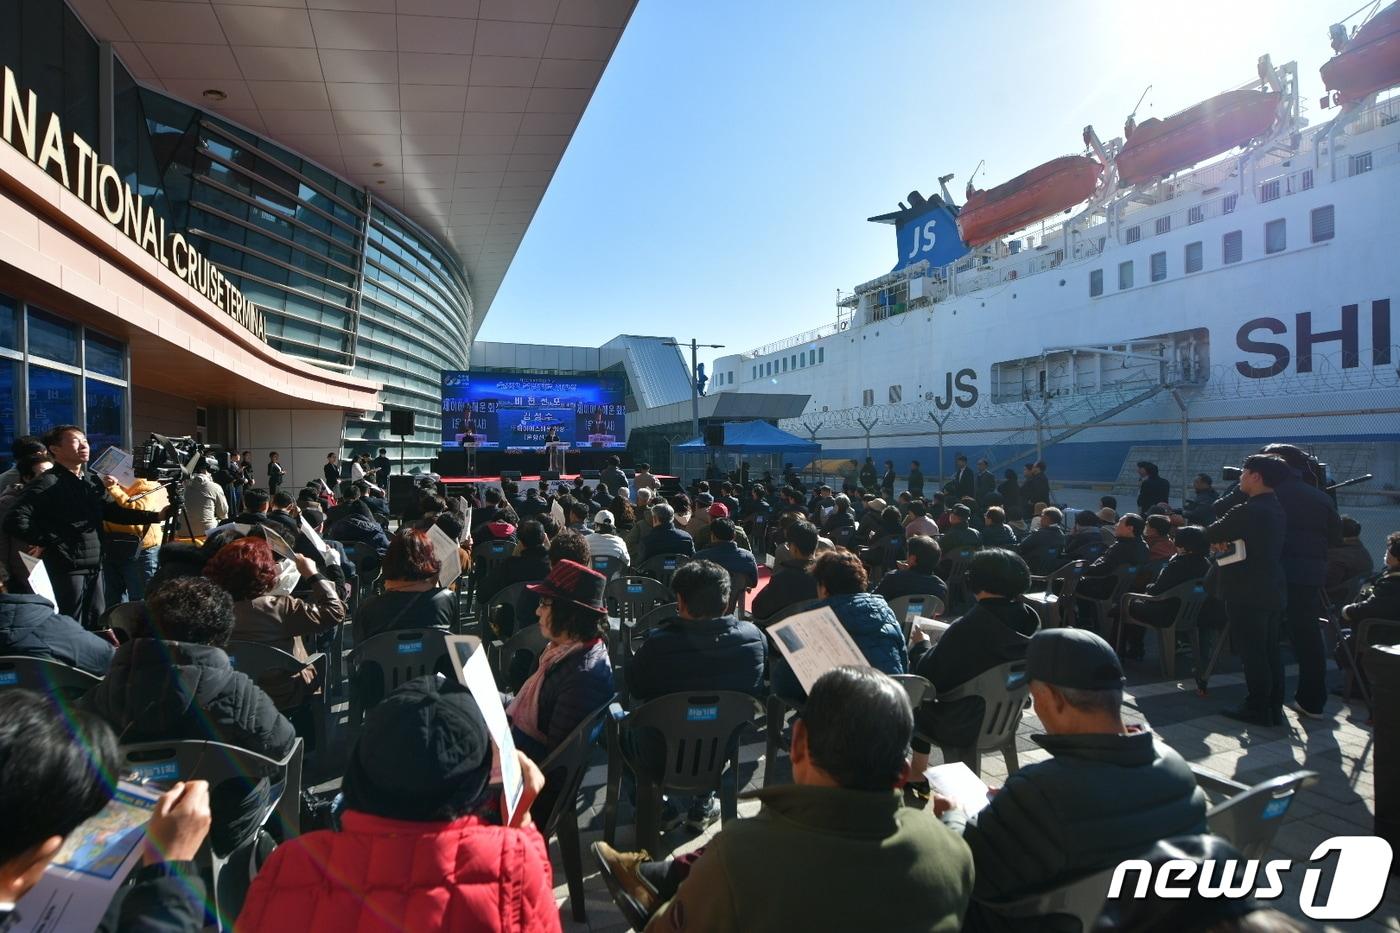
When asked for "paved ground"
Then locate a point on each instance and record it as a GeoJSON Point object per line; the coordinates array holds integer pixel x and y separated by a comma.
{"type": "Point", "coordinates": [1338, 749]}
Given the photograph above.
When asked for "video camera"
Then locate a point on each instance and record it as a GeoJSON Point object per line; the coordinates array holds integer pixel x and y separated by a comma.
{"type": "Point", "coordinates": [168, 460]}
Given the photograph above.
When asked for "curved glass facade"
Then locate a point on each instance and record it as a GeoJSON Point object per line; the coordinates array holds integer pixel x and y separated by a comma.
{"type": "Point", "coordinates": [348, 283]}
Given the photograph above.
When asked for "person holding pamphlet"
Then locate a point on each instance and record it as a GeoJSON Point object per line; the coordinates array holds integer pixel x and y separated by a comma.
{"type": "Point", "coordinates": [57, 808]}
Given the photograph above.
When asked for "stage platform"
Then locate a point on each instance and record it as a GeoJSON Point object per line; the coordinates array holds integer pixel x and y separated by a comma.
{"type": "Point", "coordinates": [526, 480]}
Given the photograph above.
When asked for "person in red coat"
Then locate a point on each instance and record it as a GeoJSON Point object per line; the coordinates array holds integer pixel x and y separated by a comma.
{"type": "Point", "coordinates": [420, 847]}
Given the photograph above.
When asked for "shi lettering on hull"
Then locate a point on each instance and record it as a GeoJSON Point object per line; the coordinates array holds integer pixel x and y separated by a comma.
{"type": "Point", "coordinates": [1307, 337]}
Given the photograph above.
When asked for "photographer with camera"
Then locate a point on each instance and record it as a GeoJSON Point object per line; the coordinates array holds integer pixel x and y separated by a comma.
{"type": "Point", "coordinates": [59, 518]}
{"type": "Point", "coordinates": [205, 503]}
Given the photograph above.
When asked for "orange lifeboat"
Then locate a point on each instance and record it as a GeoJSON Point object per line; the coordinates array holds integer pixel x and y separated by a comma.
{"type": "Point", "coordinates": [1044, 190]}
{"type": "Point", "coordinates": [1369, 61]}
{"type": "Point", "coordinates": [1159, 147]}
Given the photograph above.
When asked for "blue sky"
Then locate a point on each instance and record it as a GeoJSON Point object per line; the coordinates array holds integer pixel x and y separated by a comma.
{"type": "Point", "coordinates": [718, 184]}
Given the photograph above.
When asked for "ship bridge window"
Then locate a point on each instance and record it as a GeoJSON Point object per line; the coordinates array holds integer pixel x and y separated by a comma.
{"type": "Point", "coordinates": [867, 397]}
{"type": "Point", "coordinates": [1164, 225]}
{"type": "Point", "coordinates": [1194, 259]}
{"type": "Point", "coordinates": [1196, 215]}
{"type": "Point", "coordinates": [1095, 283]}
{"type": "Point", "coordinates": [1232, 247]}
{"type": "Point", "coordinates": [1324, 225]}
{"type": "Point", "coordinates": [1159, 266]}
{"type": "Point", "coordinates": [1268, 191]}
{"type": "Point", "coordinates": [1134, 234]}
{"type": "Point", "coordinates": [1125, 275]}
{"type": "Point", "coordinates": [1361, 162]}
{"type": "Point", "coordinates": [1275, 236]}
{"type": "Point", "coordinates": [1227, 203]}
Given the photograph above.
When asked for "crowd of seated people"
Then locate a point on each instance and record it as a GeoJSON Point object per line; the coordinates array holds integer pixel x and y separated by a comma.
{"type": "Point", "coordinates": [417, 789]}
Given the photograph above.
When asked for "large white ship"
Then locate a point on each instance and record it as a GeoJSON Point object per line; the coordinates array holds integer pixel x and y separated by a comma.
{"type": "Point", "coordinates": [1212, 281]}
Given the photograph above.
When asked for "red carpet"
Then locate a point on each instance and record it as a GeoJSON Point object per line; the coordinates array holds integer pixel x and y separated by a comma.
{"type": "Point", "coordinates": [764, 575]}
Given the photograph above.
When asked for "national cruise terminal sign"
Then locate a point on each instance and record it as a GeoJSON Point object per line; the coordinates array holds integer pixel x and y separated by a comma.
{"type": "Point", "coordinates": [104, 191]}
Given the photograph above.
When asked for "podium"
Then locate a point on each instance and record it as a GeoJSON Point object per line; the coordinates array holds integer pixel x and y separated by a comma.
{"type": "Point", "coordinates": [556, 451]}
{"type": "Point", "coordinates": [470, 448]}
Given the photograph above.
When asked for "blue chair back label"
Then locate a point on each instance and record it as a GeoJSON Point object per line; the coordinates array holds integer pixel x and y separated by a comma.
{"type": "Point", "coordinates": [599, 563]}
{"type": "Point", "coordinates": [9, 678]}
{"type": "Point", "coordinates": [634, 588]}
{"type": "Point", "coordinates": [1276, 808]}
{"type": "Point", "coordinates": [158, 771]}
{"type": "Point", "coordinates": [410, 647]}
{"type": "Point", "coordinates": [701, 713]}
{"type": "Point", "coordinates": [669, 563]}
{"type": "Point", "coordinates": [916, 608]}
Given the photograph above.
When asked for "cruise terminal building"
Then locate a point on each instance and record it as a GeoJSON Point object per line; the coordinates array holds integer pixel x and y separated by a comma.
{"type": "Point", "coordinates": [269, 226]}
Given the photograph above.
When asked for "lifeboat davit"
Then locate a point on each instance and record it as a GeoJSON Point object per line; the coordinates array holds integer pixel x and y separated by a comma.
{"type": "Point", "coordinates": [1044, 190]}
{"type": "Point", "coordinates": [1369, 61]}
{"type": "Point", "coordinates": [1159, 147]}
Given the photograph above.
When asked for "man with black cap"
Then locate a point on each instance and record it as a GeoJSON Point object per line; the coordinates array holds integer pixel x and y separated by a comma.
{"type": "Point", "coordinates": [1108, 791]}
{"type": "Point", "coordinates": [420, 841]}
{"type": "Point", "coordinates": [959, 533]}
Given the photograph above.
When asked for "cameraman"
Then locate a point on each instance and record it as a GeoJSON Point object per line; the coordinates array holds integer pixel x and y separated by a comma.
{"type": "Point", "coordinates": [60, 515]}
{"type": "Point", "coordinates": [205, 503]}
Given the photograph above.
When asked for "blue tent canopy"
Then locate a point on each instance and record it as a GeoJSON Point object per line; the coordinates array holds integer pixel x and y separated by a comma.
{"type": "Point", "coordinates": [756, 437]}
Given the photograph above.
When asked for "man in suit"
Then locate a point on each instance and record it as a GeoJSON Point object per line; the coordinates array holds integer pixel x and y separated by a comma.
{"type": "Point", "coordinates": [1044, 548]}
{"type": "Point", "coordinates": [916, 573]}
{"type": "Point", "coordinates": [1254, 588]}
{"type": "Point", "coordinates": [985, 483]}
{"type": "Point", "coordinates": [916, 480]}
{"type": "Point", "coordinates": [665, 537]}
{"type": "Point", "coordinates": [1154, 488]}
{"type": "Point", "coordinates": [381, 469]}
{"type": "Point", "coordinates": [331, 472]}
{"type": "Point", "coordinates": [963, 483]}
{"type": "Point", "coordinates": [1036, 488]}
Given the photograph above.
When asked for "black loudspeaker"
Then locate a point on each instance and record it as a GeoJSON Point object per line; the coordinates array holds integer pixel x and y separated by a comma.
{"type": "Point", "coordinates": [512, 475]}
{"type": "Point", "coordinates": [401, 421]}
{"type": "Point", "coordinates": [402, 493]}
{"type": "Point", "coordinates": [714, 435]}
{"type": "Point", "coordinates": [670, 485]}
{"type": "Point", "coordinates": [549, 474]}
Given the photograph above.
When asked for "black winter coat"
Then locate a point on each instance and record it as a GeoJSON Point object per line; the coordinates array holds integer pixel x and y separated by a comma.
{"type": "Point", "coordinates": [30, 628]}
{"type": "Point", "coordinates": [1154, 489]}
{"type": "Point", "coordinates": [393, 610]}
{"type": "Point", "coordinates": [1258, 579]}
{"type": "Point", "coordinates": [1312, 524]}
{"type": "Point", "coordinates": [1381, 601]}
{"type": "Point", "coordinates": [708, 654]}
{"type": "Point", "coordinates": [791, 583]}
{"type": "Point", "coordinates": [1044, 549]}
{"type": "Point", "coordinates": [63, 513]}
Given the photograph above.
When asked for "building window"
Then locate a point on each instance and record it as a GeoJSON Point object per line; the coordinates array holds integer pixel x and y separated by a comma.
{"type": "Point", "coordinates": [1227, 203]}
{"type": "Point", "coordinates": [1307, 179]}
{"type": "Point", "coordinates": [1134, 234]}
{"type": "Point", "coordinates": [794, 361]}
{"type": "Point", "coordinates": [1193, 257]}
{"type": "Point", "coordinates": [53, 399]}
{"type": "Point", "coordinates": [9, 324]}
{"type": "Point", "coordinates": [1275, 236]}
{"type": "Point", "coordinates": [106, 415]}
{"type": "Point", "coordinates": [1323, 223]}
{"type": "Point", "coordinates": [1159, 266]}
{"type": "Point", "coordinates": [785, 364]}
{"type": "Point", "coordinates": [52, 338]}
{"type": "Point", "coordinates": [104, 356]}
{"type": "Point", "coordinates": [821, 354]}
{"type": "Point", "coordinates": [1125, 275]}
{"type": "Point", "coordinates": [1232, 247]}
{"type": "Point", "coordinates": [1268, 191]}
{"type": "Point", "coordinates": [896, 394]}
{"type": "Point", "coordinates": [9, 404]}
{"type": "Point", "coordinates": [1164, 225]}
{"type": "Point", "coordinates": [867, 397]}
{"type": "Point", "coordinates": [1195, 215]}
{"type": "Point", "coordinates": [1359, 163]}
{"type": "Point", "coordinates": [1095, 283]}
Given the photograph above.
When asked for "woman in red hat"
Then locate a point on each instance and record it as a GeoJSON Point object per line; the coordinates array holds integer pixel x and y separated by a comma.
{"type": "Point", "coordinates": [574, 676]}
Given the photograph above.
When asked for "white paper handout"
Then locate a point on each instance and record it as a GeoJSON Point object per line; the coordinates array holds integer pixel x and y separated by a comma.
{"type": "Point", "coordinates": [315, 539]}
{"type": "Point", "coordinates": [475, 672]}
{"type": "Point", "coordinates": [932, 628]}
{"type": "Point", "coordinates": [39, 580]}
{"type": "Point", "coordinates": [288, 576]}
{"type": "Point", "coordinates": [448, 555]}
{"type": "Point", "coordinates": [117, 463]}
{"type": "Point", "coordinates": [957, 782]}
{"type": "Point", "coordinates": [815, 642]}
{"type": "Point", "coordinates": [76, 888]}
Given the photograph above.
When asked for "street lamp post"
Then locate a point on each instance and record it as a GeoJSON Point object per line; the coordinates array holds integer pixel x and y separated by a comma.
{"type": "Point", "coordinates": [694, 381]}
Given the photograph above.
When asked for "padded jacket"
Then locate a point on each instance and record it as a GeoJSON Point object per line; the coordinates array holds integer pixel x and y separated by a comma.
{"type": "Point", "coordinates": [399, 609]}
{"type": "Point", "coordinates": [31, 628]}
{"type": "Point", "coordinates": [63, 513]}
{"type": "Point", "coordinates": [360, 527]}
{"type": "Point", "coordinates": [790, 583]}
{"type": "Point", "coordinates": [1098, 800]}
{"type": "Point", "coordinates": [573, 688]}
{"type": "Point", "coordinates": [699, 654]}
{"type": "Point", "coordinates": [157, 690]}
{"type": "Point", "coordinates": [1044, 549]}
{"type": "Point", "coordinates": [872, 626]}
{"type": "Point", "coordinates": [1381, 600]}
{"type": "Point", "coordinates": [392, 875]}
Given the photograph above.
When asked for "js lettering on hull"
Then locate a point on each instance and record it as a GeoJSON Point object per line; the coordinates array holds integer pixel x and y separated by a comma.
{"type": "Point", "coordinates": [75, 164]}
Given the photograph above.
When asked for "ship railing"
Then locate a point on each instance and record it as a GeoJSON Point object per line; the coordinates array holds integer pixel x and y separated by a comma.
{"type": "Point", "coordinates": [1016, 266]}
{"type": "Point", "coordinates": [1381, 113]}
{"type": "Point", "coordinates": [816, 333]}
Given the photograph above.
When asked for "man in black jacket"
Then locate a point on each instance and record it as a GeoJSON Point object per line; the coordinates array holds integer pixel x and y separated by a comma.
{"type": "Point", "coordinates": [1154, 488]}
{"type": "Point", "coordinates": [1253, 588]}
{"type": "Point", "coordinates": [915, 575]}
{"type": "Point", "coordinates": [59, 518]}
{"type": "Point", "coordinates": [791, 581]}
{"type": "Point", "coordinates": [382, 466]}
{"type": "Point", "coordinates": [529, 563]}
{"type": "Point", "coordinates": [613, 477]}
{"type": "Point", "coordinates": [29, 627]}
{"type": "Point", "coordinates": [993, 632]}
{"type": "Point", "coordinates": [1108, 791]}
{"type": "Point", "coordinates": [725, 552]}
{"type": "Point", "coordinates": [963, 484]}
{"type": "Point", "coordinates": [1044, 548]}
{"type": "Point", "coordinates": [1128, 550]}
{"type": "Point", "coordinates": [56, 776]}
{"type": "Point", "coordinates": [665, 537]}
{"type": "Point", "coordinates": [986, 483]}
{"type": "Point", "coordinates": [916, 480]}
{"type": "Point", "coordinates": [1036, 488]}
{"type": "Point", "coordinates": [1199, 510]}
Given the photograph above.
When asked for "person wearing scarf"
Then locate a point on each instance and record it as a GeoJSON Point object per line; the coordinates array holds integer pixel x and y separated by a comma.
{"type": "Point", "coordinates": [574, 676]}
